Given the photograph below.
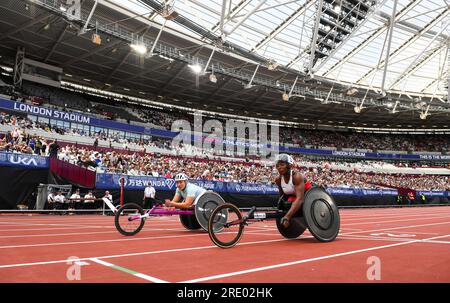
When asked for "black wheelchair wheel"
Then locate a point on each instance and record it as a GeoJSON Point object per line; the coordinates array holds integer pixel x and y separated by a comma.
{"type": "Point", "coordinates": [296, 228]}
{"type": "Point", "coordinates": [225, 226]}
{"type": "Point", "coordinates": [124, 219]}
{"type": "Point", "coordinates": [189, 222]}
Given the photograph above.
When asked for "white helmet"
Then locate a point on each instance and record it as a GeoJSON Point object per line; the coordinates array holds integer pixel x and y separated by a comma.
{"type": "Point", "coordinates": [284, 158]}
{"type": "Point", "coordinates": [181, 177]}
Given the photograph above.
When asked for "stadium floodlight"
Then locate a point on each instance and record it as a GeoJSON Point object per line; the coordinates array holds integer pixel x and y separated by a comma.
{"type": "Point", "coordinates": [352, 91]}
{"type": "Point", "coordinates": [357, 109]}
{"type": "Point", "coordinates": [96, 39]}
{"type": "Point", "coordinates": [196, 68]}
{"type": "Point", "coordinates": [285, 97]}
{"type": "Point", "coordinates": [423, 116]}
{"type": "Point", "coordinates": [168, 12]}
{"type": "Point", "coordinates": [395, 107]}
{"type": "Point", "coordinates": [213, 78]}
{"type": "Point", "coordinates": [272, 65]}
{"type": "Point", "coordinates": [139, 48]}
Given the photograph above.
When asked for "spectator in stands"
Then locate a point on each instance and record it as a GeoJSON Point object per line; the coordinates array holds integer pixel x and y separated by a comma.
{"type": "Point", "coordinates": [89, 200]}
{"type": "Point", "coordinates": [53, 149]}
{"type": "Point", "coordinates": [95, 143]}
{"type": "Point", "coordinates": [60, 201]}
{"type": "Point", "coordinates": [411, 198]}
{"type": "Point", "coordinates": [8, 137]}
{"type": "Point", "coordinates": [423, 198]}
{"type": "Point", "coordinates": [51, 200]}
{"type": "Point", "coordinates": [149, 196]}
{"type": "Point", "coordinates": [44, 147]}
{"type": "Point", "coordinates": [75, 200]}
{"type": "Point", "coordinates": [110, 198]}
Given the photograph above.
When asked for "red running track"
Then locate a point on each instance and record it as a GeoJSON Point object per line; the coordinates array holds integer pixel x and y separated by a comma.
{"type": "Point", "coordinates": [374, 245]}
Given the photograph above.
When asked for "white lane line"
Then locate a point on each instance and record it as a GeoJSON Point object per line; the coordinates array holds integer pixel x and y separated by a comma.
{"type": "Point", "coordinates": [135, 254]}
{"type": "Point", "coordinates": [256, 269]}
{"type": "Point", "coordinates": [90, 233]}
{"type": "Point", "coordinates": [191, 234]}
{"type": "Point", "coordinates": [98, 241]}
{"type": "Point", "coordinates": [129, 271]}
{"type": "Point", "coordinates": [392, 217]}
{"type": "Point", "coordinates": [393, 221]}
{"type": "Point", "coordinates": [203, 247]}
{"type": "Point", "coordinates": [399, 227]}
{"type": "Point", "coordinates": [175, 236]}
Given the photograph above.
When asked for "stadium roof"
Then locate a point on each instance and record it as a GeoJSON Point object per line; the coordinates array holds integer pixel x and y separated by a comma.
{"type": "Point", "coordinates": [282, 30]}
{"type": "Point", "coordinates": [263, 50]}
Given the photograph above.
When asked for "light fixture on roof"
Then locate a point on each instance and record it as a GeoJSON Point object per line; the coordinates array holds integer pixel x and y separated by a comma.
{"type": "Point", "coordinates": [389, 105]}
{"type": "Point", "coordinates": [196, 68]}
{"type": "Point", "coordinates": [227, 29]}
{"type": "Point", "coordinates": [357, 109]}
{"type": "Point", "coordinates": [62, 8]}
{"type": "Point", "coordinates": [424, 114]}
{"type": "Point", "coordinates": [47, 27]}
{"type": "Point", "coordinates": [168, 12]}
{"type": "Point", "coordinates": [96, 39]}
{"type": "Point", "coordinates": [272, 65]}
{"type": "Point", "coordinates": [421, 105]}
{"type": "Point", "coordinates": [213, 78]}
{"type": "Point", "coordinates": [285, 97]}
{"type": "Point", "coordinates": [337, 8]}
{"type": "Point", "coordinates": [352, 91]}
{"type": "Point", "coordinates": [139, 48]}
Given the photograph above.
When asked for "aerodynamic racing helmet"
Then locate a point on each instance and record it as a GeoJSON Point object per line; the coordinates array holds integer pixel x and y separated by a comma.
{"type": "Point", "coordinates": [284, 158]}
{"type": "Point", "coordinates": [181, 177]}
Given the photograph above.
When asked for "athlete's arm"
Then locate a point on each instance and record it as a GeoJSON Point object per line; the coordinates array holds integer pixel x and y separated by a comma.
{"type": "Point", "coordinates": [175, 199]}
{"type": "Point", "coordinates": [299, 186]}
{"type": "Point", "coordinates": [278, 183]}
{"type": "Point", "coordinates": [186, 204]}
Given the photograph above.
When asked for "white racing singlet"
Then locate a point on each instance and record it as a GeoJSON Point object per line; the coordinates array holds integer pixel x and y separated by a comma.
{"type": "Point", "coordinates": [288, 188]}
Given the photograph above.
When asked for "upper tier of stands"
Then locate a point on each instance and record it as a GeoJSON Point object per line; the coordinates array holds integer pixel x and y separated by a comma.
{"type": "Point", "coordinates": [120, 110]}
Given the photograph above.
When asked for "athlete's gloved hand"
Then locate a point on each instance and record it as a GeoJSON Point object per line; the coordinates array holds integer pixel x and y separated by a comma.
{"type": "Point", "coordinates": [285, 222]}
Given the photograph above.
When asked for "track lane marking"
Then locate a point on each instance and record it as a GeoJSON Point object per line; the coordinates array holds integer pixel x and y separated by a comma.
{"type": "Point", "coordinates": [257, 269]}
{"type": "Point", "coordinates": [128, 271]}
{"type": "Point", "coordinates": [197, 248]}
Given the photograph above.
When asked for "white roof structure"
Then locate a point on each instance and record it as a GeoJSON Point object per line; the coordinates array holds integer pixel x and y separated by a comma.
{"type": "Point", "coordinates": [283, 31]}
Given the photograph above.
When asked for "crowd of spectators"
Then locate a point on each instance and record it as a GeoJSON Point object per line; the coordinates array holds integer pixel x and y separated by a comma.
{"type": "Point", "coordinates": [358, 141]}
{"type": "Point", "coordinates": [113, 108]}
{"type": "Point", "coordinates": [247, 171]}
{"type": "Point", "coordinates": [319, 171]}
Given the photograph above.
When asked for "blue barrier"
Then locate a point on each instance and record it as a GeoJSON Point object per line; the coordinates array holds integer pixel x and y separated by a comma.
{"type": "Point", "coordinates": [23, 160]}
{"type": "Point", "coordinates": [361, 192]}
{"type": "Point", "coordinates": [111, 181]}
